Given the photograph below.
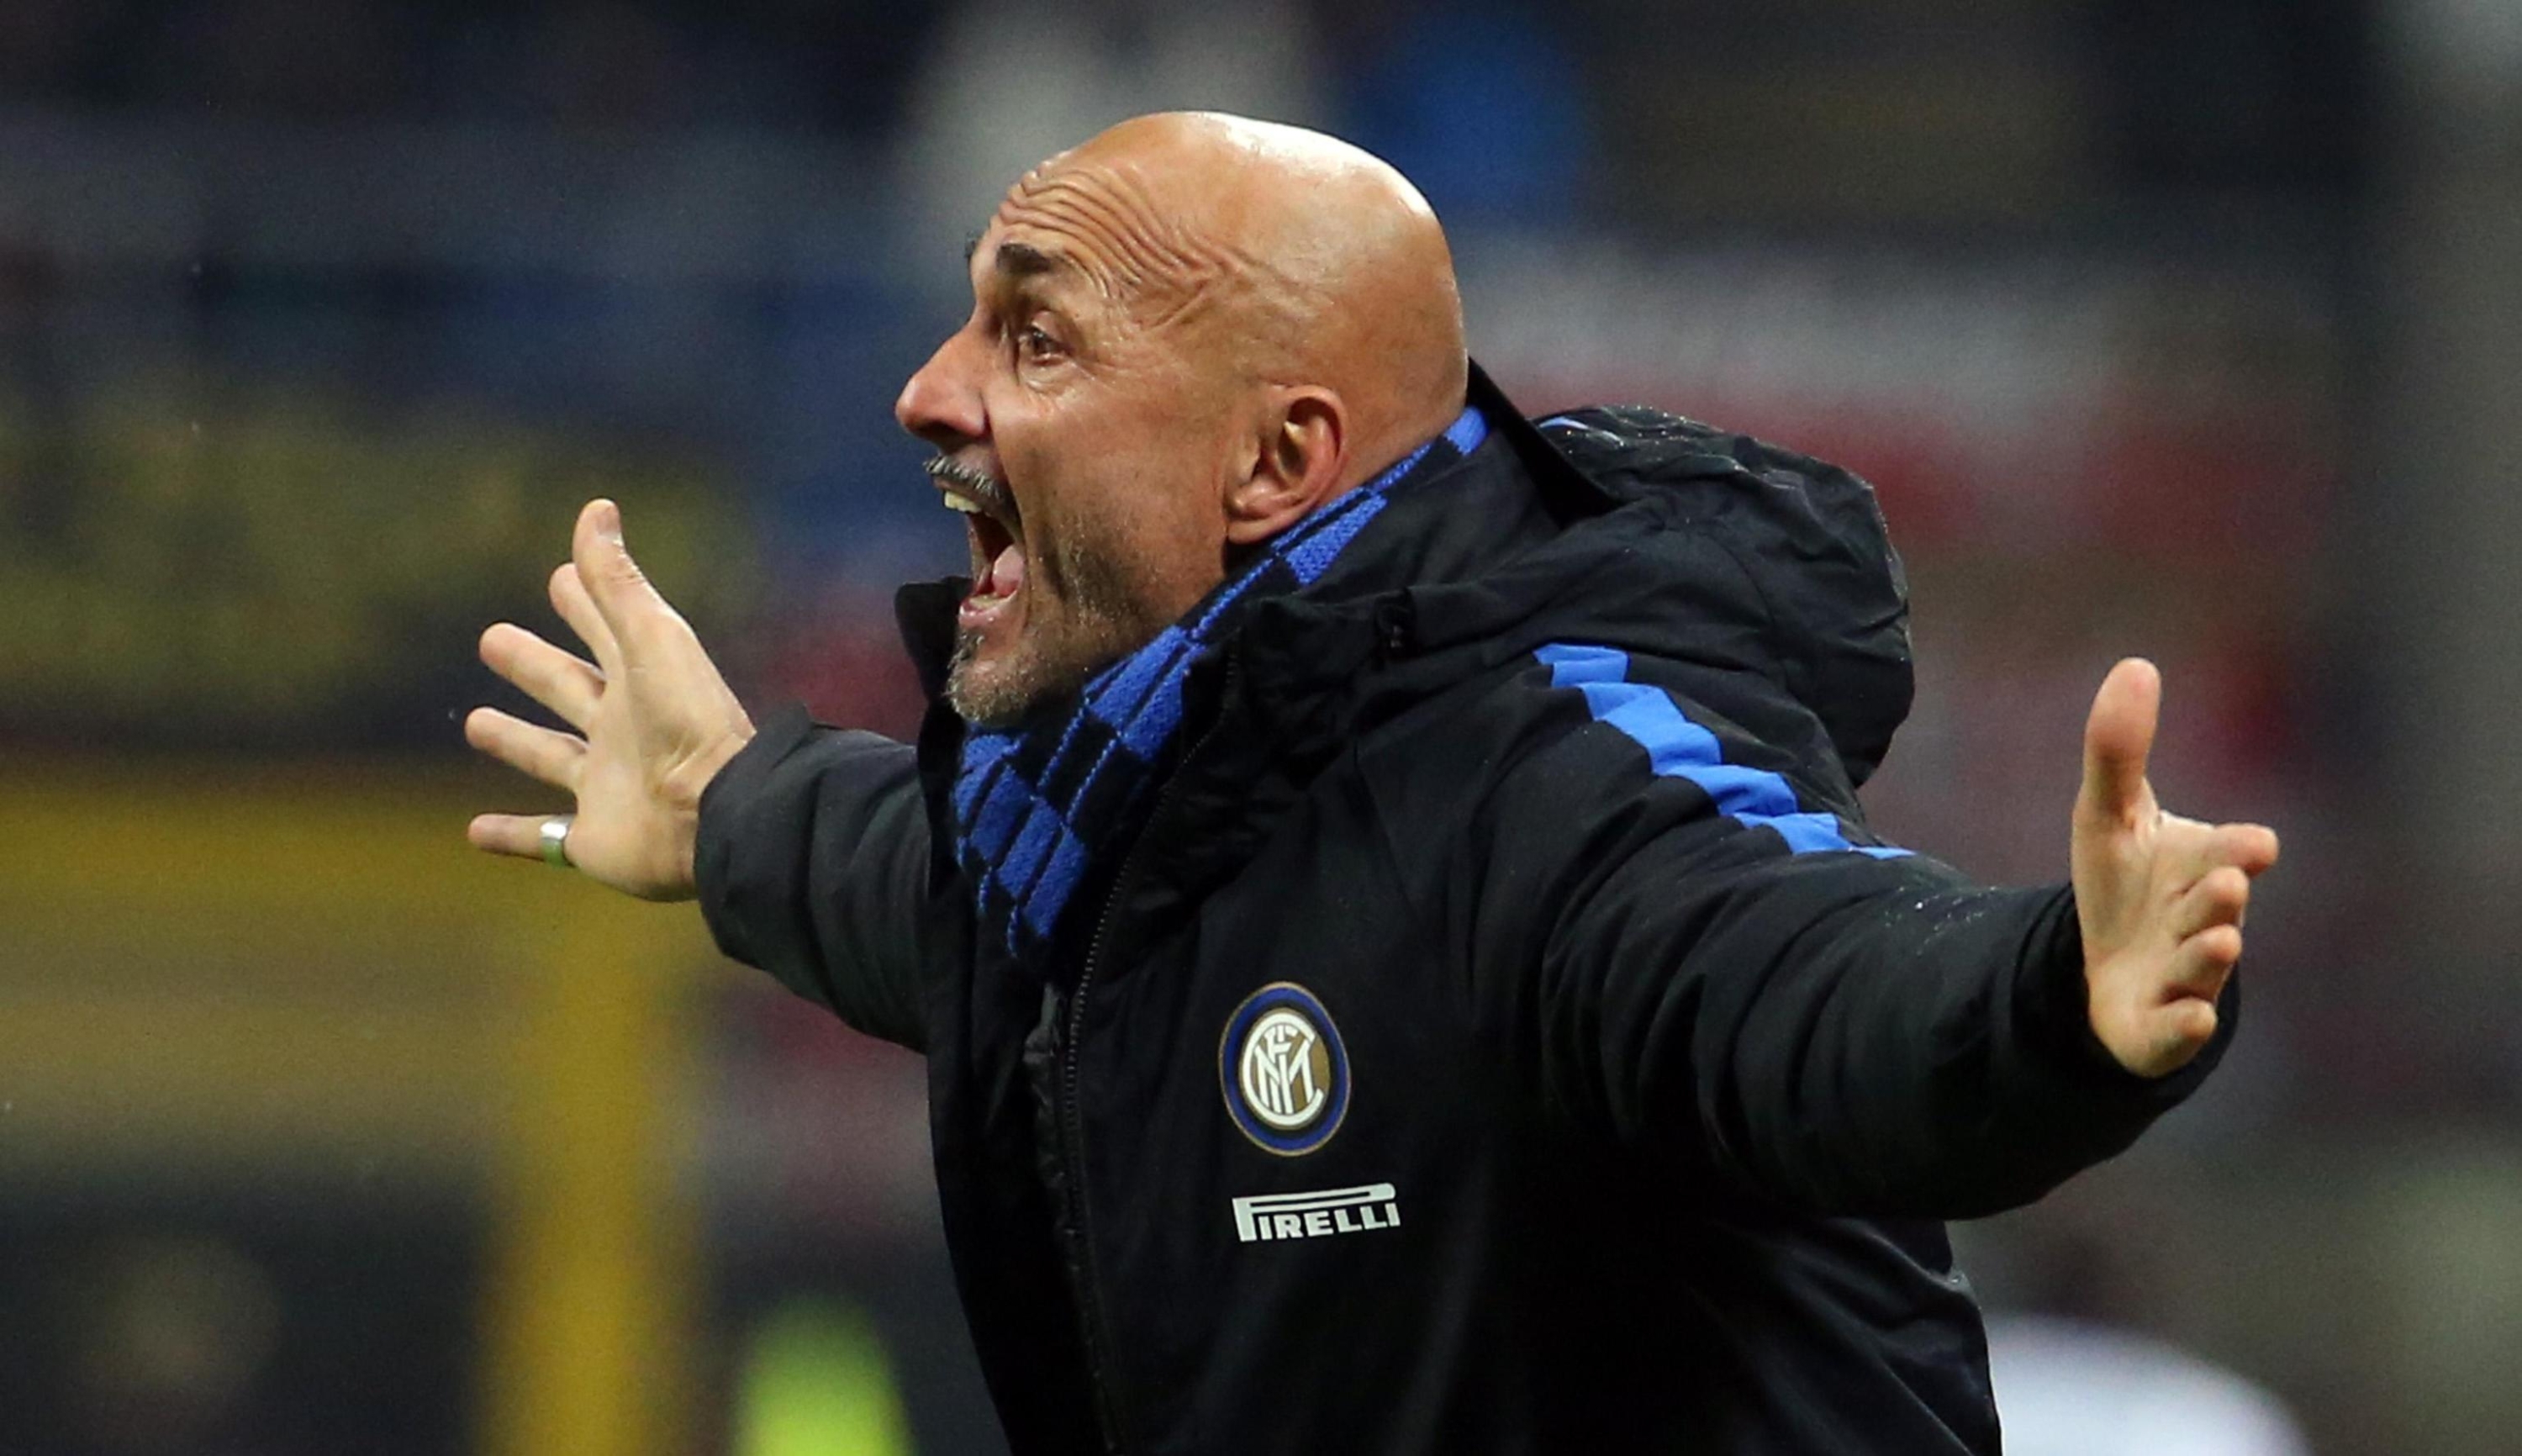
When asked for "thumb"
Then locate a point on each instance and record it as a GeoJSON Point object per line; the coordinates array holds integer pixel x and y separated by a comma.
{"type": "Point", "coordinates": [618, 588]}
{"type": "Point", "coordinates": [2117, 738]}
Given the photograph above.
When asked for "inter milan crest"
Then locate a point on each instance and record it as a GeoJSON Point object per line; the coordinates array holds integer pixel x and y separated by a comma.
{"type": "Point", "coordinates": [1283, 1070]}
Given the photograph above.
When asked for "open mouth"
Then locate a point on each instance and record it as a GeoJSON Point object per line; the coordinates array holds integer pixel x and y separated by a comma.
{"type": "Point", "coordinates": [995, 533]}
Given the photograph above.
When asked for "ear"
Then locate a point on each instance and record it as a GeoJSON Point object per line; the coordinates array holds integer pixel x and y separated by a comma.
{"type": "Point", "coordinates": [1303, 451]}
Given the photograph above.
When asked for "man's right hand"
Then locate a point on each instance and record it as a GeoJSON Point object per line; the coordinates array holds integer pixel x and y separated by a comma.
{"type": "Point", "coordinates": [658, 721]}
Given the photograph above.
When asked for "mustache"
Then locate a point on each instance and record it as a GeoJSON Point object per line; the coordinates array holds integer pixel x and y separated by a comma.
{"type": "Point", "coordinates": [992, 493]}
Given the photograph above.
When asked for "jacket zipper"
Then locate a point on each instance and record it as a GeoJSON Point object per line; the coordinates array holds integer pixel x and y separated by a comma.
{"type": "Point", "coordinates": [1072, 1118]}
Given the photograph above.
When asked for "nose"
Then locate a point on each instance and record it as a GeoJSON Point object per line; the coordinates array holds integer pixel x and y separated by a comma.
{"type": "Point", "coordinates": [941, 402]}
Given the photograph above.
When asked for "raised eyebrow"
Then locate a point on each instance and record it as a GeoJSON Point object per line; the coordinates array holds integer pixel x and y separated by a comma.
{"type": "Point", "coordinates": [1024, 261]}
{"type": "Point", "coordinates": [1012, 262]}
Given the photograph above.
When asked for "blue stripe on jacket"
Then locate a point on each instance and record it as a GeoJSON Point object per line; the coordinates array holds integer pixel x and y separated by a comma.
{"type": "Point", "coordinates": [1678, 748]}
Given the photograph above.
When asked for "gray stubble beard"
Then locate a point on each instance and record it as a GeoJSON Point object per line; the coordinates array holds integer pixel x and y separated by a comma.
{"type": "Point", "coordinates": [999, 703]}
{"type": "Point", "coordinates": [1109, 612]}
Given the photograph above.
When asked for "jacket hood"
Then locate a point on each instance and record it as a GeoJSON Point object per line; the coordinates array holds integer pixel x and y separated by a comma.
{"type": "Point", "coordinates": [1617, 526]}
{"type": "Point", "coordinates": [1638, 530]}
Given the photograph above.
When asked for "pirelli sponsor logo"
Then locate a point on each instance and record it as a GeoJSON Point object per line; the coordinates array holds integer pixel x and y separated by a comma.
{"type": "Point", "coordinates": [1333, 1211]}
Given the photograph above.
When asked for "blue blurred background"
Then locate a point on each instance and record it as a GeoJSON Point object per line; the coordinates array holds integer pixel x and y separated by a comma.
{"type": "Point", "coordinates": [2191, 329]}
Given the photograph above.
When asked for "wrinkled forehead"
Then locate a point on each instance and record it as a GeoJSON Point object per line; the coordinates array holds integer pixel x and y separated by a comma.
{"type": "Point", "coordinates": [1130, 236]}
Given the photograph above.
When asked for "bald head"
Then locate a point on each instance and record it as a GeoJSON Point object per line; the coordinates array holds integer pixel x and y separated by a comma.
{"type": "Point", "coordinates": [1303, 258]}
{"type": "Point", "coordinates": [1188, 334]}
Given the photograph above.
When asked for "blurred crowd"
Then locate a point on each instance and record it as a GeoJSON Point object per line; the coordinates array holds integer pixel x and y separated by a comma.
{"type": "Point", "coordinates": [324, 238]}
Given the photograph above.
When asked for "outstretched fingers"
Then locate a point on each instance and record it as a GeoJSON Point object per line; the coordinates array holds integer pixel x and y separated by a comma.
{"type": "Point", "coordinates": [2195, 850]}
{"type": "Point", "coordinates": [546, 754]}
{"type": "Point", "coordinates": [569, 598]}
{"type": "Point", "coordinates": [562, 682]}
{"type": "Point", "coordinates": [518, 834]}
{"type": "Point", "coordinates": [2250, 848]}
{"type": "Point", "coordinates": [2203, 961]}
{"type": "Point", "coordinates": [2180, 1029]}
{"type": "Point", "coordinates": [2221, 897]}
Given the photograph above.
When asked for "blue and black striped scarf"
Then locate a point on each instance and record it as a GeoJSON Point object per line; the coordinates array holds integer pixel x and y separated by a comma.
{"type": "Point", "coordinates": [1044, 808]}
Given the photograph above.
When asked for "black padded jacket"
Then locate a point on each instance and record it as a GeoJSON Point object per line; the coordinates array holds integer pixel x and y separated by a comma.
{"type": "Point", "coordinates": [1506, 1034]}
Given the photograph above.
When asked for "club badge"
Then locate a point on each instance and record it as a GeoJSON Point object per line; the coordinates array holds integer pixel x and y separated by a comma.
{"type": "Point", "coordinates": [1283, 1070]}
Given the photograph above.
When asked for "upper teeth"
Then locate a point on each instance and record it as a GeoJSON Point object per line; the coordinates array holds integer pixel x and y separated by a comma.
{"type": "Point", "coordinates": [965, 503]}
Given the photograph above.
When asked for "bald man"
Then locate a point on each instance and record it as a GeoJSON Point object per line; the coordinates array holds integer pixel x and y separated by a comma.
{"type": "Point", "coordinates": [1380, 888]}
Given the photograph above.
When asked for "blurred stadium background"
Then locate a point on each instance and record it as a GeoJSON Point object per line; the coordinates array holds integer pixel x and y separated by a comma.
{"type": "Point", "coordinates": [2190, 327]}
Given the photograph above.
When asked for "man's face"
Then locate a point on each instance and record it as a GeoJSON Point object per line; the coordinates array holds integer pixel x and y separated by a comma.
{"type": "Point", "coordinates": [1085, 422]}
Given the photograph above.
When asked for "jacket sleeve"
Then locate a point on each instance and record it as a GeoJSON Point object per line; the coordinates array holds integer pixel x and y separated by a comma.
{"type": "Point", "coordinates": [1701, 967]}
{"type": "Point", "coordinates": [812, 863]}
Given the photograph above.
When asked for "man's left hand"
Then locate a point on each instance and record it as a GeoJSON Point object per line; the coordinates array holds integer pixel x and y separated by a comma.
{"type": "Point", "coordinates": [2160, 898]}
